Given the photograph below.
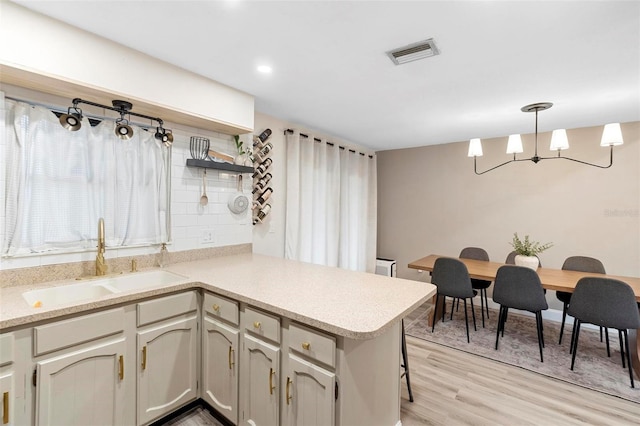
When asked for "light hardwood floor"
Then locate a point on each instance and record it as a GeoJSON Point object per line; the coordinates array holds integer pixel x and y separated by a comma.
{"type": "Point", "coordinates": [452, 387]}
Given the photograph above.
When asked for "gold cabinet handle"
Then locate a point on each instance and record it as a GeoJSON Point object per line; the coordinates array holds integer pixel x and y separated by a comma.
{"type": "Point", "coordinates": [5, 408]}
{"type": "Point", "coordinates": [306, 346]}
{"type": "Point", "coordinates": [144, 357]}
{"type": "Point", "coordinates": [271, 387]}
{"type": "Point", "coordinates": [216, 308]}
{"type": "Point", "coordinates": [289, 397]}
{"type": "Point", "coordinates": [121, 369]}
{"type": "Point", "coordinates": [257, 324]}
{"type": "Point", "coordinates": [231, 358]}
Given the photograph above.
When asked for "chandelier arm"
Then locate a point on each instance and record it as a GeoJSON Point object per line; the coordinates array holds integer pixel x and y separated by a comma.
{"type": "Point", "coordinates": [475, 168]}
{"type": "Point", "coordinates": [584, 162]}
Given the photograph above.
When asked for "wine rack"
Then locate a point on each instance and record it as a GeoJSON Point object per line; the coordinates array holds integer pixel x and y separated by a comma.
{"type": "Point", "coordinates": [262, 176]}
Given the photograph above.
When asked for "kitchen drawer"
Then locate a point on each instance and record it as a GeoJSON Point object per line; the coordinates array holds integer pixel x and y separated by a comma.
{"type": "Point", "coordinates": [71, 332]}
{"type": "Point", "coordinates": [313, 344]}
{"type": "Point", "coordinates": [222, 308]}
{"type": "Point", "coordinates": [7, 353]}
{"type": "Point", "coordinates": [262, 324]}
{"type": "Point", "coordinates": [166, 307]}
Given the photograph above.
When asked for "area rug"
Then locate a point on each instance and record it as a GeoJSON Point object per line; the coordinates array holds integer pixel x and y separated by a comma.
{"type": "Point", "coordinates": [519, 347]}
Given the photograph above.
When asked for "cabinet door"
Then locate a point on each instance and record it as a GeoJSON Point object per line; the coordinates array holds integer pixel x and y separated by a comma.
{"type": "Point", "coordinates": [309, 394]}
{"type": "Point", "coordinates": [166, 368]}
{"type": "Point", "coordinates": [7, 392]}
{"type": "Point", "coordinates": [220, 368]}
{"type": "Point", "coordinates": [82, 388]}
{"type": "Point", "coordinates": [260, 378]}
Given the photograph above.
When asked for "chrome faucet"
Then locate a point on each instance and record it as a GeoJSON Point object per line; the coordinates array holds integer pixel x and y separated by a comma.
{"type": "Point", "coordinates": [101, 266]}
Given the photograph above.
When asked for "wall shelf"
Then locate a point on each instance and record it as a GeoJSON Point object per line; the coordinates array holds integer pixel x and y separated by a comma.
{"type": "Point", "coordinates": [208, 164]}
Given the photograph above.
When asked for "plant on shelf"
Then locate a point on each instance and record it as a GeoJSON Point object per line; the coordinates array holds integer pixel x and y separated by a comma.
{"type": "Point", "coordinates": [243, 157]}
{"type": "Point", "coordinates": [527, 251]}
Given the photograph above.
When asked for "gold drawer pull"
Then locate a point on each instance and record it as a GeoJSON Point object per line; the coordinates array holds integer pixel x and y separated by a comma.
{"type": "Point", "coordinates": [257, 324]}
{"type": "Point", "coordinates": [231, 363]}
{"type": "Point", "coordinates": [144, 357]}
{"type": "Point", "coordinates": [306, 346]}
{"type": "Point", "coordinates": [5, 408]}
{"type": "Point", "coordinates": [216, 308]}
{"type": "Point", "coordinates": [289, 397]}
{"type": "Point", "coordinates": [271, 387]}
{"type": "Point", "coordinates": [121, 370]}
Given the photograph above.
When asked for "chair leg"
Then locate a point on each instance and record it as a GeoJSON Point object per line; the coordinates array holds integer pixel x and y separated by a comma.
{"type": "Point", "coordinates": [444, 306]}
{"type": "Point", "coordinates": [433, 324]}
{"type": "Point", "coordinates": [466, 321]}
{"type": "Point", "coordinates": [500, 319]}
{"type": "Point", "coordinates": [481, 307]}
{"type": "Point", "coordinates": [473, 314]}
{"type": "Point", "coordinates": [457, 305]}
{"type": "Point", "coordinates": [486, 302]}
{"type": "Point", "coordinates": [601, 334]}
{"type": "Point", "coordinates": [405, 363]}
{"type": "Point", "coordinates": [621, 347]}
{"type": "Point", "coordinates": [453, 303]}
{"type": "Point", "coordinates": [506, 314]}
{"type": "Point", "coordinates": [606, 336]}
{"type": "Point", "coordinates": [539, 329]}
{"type": "Point", "coordinates": [573, 333]}
{"type": "Point", "coordinates": [564, 317]}
{"type": "Point", "coordinates": [575, 342]}
{"type": "Point", "coordinates": [626, 344]}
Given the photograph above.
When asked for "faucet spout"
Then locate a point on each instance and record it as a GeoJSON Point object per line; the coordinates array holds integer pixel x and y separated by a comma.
{"type": "Point", "coordinates": [101, 265]}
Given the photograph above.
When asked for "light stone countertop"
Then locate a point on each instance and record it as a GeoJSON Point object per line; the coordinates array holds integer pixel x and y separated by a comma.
{"type": "Point", "coordinates": [351, 304]}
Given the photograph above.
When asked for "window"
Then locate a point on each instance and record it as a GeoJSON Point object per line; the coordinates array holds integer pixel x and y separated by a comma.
{"type": "Point", "coordinates": [59, 183]}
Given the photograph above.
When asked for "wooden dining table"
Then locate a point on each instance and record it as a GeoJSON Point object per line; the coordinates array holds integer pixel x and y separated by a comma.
{"type": "Point", "coordinates": [551, 279]}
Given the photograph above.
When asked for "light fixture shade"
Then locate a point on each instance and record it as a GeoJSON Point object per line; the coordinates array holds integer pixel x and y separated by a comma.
{"type": "Point", "coordinates": [611, 135]}
{"type": "Point", "coordinates": [124, 131]}
{"type": "Point", "coordinates": [514, 145]}
{"type": "Point", "coordinates": [559, 140]}
{"type": "Point", "coordinates": [475, 148]}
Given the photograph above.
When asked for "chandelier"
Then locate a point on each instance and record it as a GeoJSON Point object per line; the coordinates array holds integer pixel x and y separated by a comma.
{"type": "Point", "coordinates": [611, 136]}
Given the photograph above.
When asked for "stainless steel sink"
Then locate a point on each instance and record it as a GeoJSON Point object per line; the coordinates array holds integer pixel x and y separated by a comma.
{"type": "Point", "coordinates": [99, 287]}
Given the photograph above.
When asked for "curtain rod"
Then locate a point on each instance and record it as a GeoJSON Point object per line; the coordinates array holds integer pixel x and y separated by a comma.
{"type": "Point", "coordinates": [90, 117]}
{"type": "Point", "coordinates": [331, 144]}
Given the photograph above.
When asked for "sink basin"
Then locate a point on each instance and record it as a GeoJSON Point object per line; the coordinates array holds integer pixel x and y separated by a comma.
{"type": "Point", "coordinates": [99, 287]}
{"type": "Point", "coordinates": [141, 280]}
{"type": "Point", "coordinates": [65, 294]}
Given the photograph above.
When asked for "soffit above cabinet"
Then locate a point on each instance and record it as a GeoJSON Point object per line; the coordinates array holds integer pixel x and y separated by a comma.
{"type": "Point", "coordinates": [71, 90]}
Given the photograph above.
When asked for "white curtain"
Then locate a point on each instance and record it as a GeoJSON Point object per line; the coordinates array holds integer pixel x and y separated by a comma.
{"type": "Point", "coordinates": [331, 205]}
{"type": "Point", "coordinates": [60, 182]}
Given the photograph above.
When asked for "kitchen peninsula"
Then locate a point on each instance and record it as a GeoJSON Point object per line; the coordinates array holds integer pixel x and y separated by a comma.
{"type": "Point", "coordinates": [319, 322]}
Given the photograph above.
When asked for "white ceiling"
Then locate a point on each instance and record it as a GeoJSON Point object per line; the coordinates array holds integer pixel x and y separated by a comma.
{"type": "Point", "coordinates": [331, 72]}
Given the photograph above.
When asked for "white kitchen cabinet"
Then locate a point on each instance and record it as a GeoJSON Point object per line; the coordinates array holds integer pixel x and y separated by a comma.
{"type": "Point", "coordinates": [7, 379]}
{"type": "Point", "coordinates": [167, 359]}
{"type": "Point", "coordinates": [309, 379]}
{"type": "Point", "coordinates": [83, 387]}
{"type": "Point", "coordinates": [260, 369]}
{"type": "Point", "coordinates": [309, 394]}
{"type": "Point", "coordinates": [80, 370]}
{"type": "Point", "coordinates": [220, 355]}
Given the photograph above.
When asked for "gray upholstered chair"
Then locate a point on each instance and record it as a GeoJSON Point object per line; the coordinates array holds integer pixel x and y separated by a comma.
{"type": "Point", "coordinates": [518, 287]}
{"type": "Point", "coordinates": [451, 278]}
{"type": "Point", "coordinates": [481, 286]}
{"type": "Point", "coordinates": [582, 264]}
{"type": "Point", "coordinates": [608, 303]}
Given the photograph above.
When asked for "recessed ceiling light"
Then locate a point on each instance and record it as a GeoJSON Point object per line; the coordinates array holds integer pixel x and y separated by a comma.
{"type": "Point", "coordinates": [265, 69]}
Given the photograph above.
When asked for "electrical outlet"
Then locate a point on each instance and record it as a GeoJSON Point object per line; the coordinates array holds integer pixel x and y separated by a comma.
{"type": "Point", "coordinates": [206, 237]}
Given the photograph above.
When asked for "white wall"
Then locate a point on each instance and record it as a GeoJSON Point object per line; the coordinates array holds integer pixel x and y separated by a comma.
{"type": "Point", "coordinates": [189, 220]}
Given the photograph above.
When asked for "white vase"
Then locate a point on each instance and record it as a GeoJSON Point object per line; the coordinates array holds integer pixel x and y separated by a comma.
{"type": "Point", "coordinates": [527, 261]}
{"type": "Point", "coordinates": [240, 159]}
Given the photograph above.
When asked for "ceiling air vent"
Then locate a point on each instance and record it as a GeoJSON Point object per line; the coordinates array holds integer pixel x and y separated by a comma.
{"type": "Point", "coordinates": [413, 52]}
